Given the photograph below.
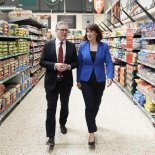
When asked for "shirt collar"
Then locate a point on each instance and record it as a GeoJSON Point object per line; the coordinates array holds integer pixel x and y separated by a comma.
{"type": "Point", "coordinates": [58, 41]}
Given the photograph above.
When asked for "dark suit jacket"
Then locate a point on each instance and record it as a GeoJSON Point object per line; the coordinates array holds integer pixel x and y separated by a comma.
{"type": "Point", "coordinates": [48, 60]}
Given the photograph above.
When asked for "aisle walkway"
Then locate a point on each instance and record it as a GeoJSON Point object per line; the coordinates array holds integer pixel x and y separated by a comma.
{"type": "Point", "coordinates": [122, 128]}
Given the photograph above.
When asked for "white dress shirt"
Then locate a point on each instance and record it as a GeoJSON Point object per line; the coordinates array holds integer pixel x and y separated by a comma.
{"type": "Point", "coordinates": [57, 45]}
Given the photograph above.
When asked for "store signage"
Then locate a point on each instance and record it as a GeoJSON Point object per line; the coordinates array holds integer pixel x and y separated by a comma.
{"type": "Point", "coordinates": [51, 3]}
{"type": "Point", "coordinates": [129, 40]}
{"type": "Point", "coordinates": [69, 19]}
{"type": "Point", "coordinates": [129, 44]}
{"type": "Point", "coordinates": [98, 5]}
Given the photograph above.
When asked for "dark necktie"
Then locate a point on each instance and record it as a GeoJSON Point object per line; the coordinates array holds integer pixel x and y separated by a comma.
{"type": "Point", "coordinates": [60, 57]}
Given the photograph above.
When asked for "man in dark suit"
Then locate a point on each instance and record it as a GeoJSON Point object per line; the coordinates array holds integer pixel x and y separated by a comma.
{"type": "Point", "coordinates": [59, 57]}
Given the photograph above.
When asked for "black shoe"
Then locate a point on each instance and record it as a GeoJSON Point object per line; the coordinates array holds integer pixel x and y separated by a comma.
{"type": "Point", "coordinates": [63, 129]}
{"type": "Point", "coordinates": [50, 141]}
{"type": "Point", "coordinates": [91, 143]}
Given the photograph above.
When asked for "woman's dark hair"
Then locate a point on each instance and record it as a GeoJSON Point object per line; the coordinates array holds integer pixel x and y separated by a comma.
{"type": "Point", "coordinates": [94, 27]}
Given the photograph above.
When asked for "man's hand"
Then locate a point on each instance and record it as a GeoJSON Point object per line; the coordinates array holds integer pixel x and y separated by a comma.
{"type": "Point", "coordinates": [61, 67]}
{"type": "Point", "coordinates": [109, 82]}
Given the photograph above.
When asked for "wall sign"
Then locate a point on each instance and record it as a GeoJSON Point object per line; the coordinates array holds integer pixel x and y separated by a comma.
{"type": "Point", "coordinates": [51, 3]}
{"type": "Point", "coordinates": [98, 5]}
{"type": "Point", "coordinates": [69, 19]}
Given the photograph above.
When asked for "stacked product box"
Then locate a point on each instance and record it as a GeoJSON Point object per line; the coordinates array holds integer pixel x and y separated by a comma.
{"type": "Point", "coordinates": [147, 73]}
{"type": "Point", "coordinates": [13, 47]}
{"type": "Point", "coordinates": [12, 65]}
{"type": "Point", "coordinates": [3, 48]}
{"type": "Point", "coordinates": [10, 92]}
{"type": "Point", "coordinates": [37, 75]}
{"type": "Point", "coordinates": [4, 28]}
{"type": "Point", "coordinates": [21, 32]}
{"type": "Point", "coordinates": [122, 75]}
{"type": "Point", "coordinates": [149, 105]}
{"type": "Point", "coordinates": [139, 97]}
{"type": "Point", "coordinates": [32, 29]}
{"type": "Point", "coordinates": [117, 73]}
{"type": "Point", "coordinates": [23, 61]}
{"type": "Point", "coordinates": [2, 104]}
{"type": "Point", "coordinates": [130, 78]}
{"type": "Point", "coordinates": [149, 91]}
{"type": "Point", "coordinates": [148, 29]}
{"type": "Point", "coordinates": [23, 45]}
{"type": "Point", "coordinates": [12, 29]}
{"type": "Point", "coordinates": [6, 67]}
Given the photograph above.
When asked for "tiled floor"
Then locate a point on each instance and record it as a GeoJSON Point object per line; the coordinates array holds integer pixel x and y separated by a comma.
{"type": "Point", "coordinates": [122, 128]}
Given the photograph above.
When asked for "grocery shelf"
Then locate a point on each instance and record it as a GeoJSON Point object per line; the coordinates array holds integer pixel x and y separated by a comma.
{"type": "Point", "coordinates": [13, 55]}
{"type": "Point", "coordinates": [146, 64]}
{"type": "Point", "coordinates": [28, 21]}
{"type": "Point", "coordinates": [125, 61]}
{"type": "Point", "coordinates": [34, 70]}
{"type": "Point", "coordinates": [148, 38]}
{"type": "Point", "coordinates": [114, 37]}
{"type": "Point", "coordinates": [13, 37]}
{"type": "Point", "coordinates": [151, 116]}
{"type": "Point", "coordinates": [8, 110]}
{"type": "Point", "coordinates": [10, 77]}
{"type": "Point", "coordinates": [147, 80]}
{"type": "Point", "coordinates": [40, 76]}
{"type": "Point", "coordinates": [126, 49]}
{"type": "Point", "coordinates": [123, 89]}
{"type": "Point", "coordinates": [147, 113]}
{"type": "Point", "coordinates": [37, 51]}
{"type": "Point", "coordinates": [148, 51]}
{"type": "Point", "coordinates": [37, 58]}
{"type": "Point", "coordinates": [153, 101]}
{"type": "Point", "coordinates": [35, 33]}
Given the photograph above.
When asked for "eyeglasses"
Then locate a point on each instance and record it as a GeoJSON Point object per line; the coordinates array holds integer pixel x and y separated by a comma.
{"type": "Point", "coordinates": [63, 30]}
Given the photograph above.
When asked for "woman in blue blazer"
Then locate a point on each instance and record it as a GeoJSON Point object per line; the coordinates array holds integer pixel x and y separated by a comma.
{"type": "Point", "coordinates": [95, 69]}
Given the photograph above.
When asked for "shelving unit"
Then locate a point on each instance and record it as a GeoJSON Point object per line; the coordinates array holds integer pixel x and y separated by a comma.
{"type": "Point", "coordinates": [145, 95]}
{"type": "Point", "coordinates": [10, 108]}
{"type": "Point", "coordinates": [151, 117]}
{"type": "Point", "coordinates": [146, 64]}
{"type": "Point", "coordinates": [123, 89]}
{"type": "Point", "coordinates": [10, 77]}
{"type": "Point", "coordinates": [22, 73]}
{"type": "Point", "coordinates": [37, 41]}
{"type": "Point", "coordinates": [75, 36]}
{"type": "Point", "coordinates": [115, 33]}
{"type": "Point", "coordinates": [27, 21]}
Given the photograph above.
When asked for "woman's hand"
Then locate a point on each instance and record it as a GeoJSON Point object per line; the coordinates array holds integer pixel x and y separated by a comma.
{"type": "Point", "coordinates": [79, 85]}
{"type": "Point", "coordinates": [109, 82]}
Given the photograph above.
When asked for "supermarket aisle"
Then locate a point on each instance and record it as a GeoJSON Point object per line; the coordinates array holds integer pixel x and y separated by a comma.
{"type": "Point", "coordinates": [122, 128]}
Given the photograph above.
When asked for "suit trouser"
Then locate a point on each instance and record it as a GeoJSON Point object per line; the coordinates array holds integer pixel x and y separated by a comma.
{"type": "Point", "coordinates": [52, 98]}
{"type": "Point", "coordinates": [92, 92]}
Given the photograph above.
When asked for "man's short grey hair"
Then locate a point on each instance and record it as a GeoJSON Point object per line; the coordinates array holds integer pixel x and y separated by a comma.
{"type": "Point", "coordinates": [60, 23]}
